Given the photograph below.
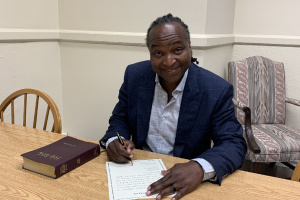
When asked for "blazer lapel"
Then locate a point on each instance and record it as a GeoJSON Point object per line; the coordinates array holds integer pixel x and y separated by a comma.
{"type": "Point", "coordinates": [190, 103]}
{"type": "Point", "coordinates": [145, 98]}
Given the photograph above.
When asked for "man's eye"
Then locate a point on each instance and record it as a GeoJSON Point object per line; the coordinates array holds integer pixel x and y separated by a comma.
{"type": "Point", "coordinates": [157, 53]}
{"type": "Point", "coordinates": [178, 50]}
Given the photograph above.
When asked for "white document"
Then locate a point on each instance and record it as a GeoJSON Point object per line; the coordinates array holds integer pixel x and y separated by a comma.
{"type": "Point", "coordinates": [126, 181]}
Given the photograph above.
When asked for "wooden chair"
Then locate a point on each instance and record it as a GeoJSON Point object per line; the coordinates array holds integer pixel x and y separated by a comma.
{"type": "Point", "coordinates": [296, 173]}
{"type": "Point", "coordinates": [51, 106]}
{"type": "Point", "coordinates": [259, 96]}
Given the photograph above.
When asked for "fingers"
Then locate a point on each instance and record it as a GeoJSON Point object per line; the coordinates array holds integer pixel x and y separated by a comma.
{"type": "Point", "coordinates": [167, 191]}
{"type": "Point", "coordinates": [162, 186]}
{"type": "Point", "coordinates": [129, 145]}
{"type": "Point", "coordinates": [182, 178]}
{"type": "Point", "coordinates": [165, 172]}
{"type": "Point", "coordinates": [117, 153]}
{"type": "Point", "coordinates": [179, 194]}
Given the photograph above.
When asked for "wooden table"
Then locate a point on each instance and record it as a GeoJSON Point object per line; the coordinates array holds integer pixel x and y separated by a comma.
{"type": "Point", "coordinates": [89, 181]}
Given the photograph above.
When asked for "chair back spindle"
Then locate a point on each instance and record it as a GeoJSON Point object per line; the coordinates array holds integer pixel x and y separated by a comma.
{"type": "Point", "coordinates": [12, 103]}
{"type": "Point", "coordinates": [46, 118]}
{"type": "Point", "coordinates": [25, 109]}
{"type": "Point", "coordinates": [51, 107]}
{"type": "Point", "coordinates": [36, 111]}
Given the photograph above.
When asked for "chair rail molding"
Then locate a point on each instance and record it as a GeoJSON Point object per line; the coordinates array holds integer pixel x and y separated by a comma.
{"type": "Point", "coordinates": [199, 41]}
{"type": "Point", "coordinates": [274, 40]}
{"type": "Point", "coordinates": [16, 35]}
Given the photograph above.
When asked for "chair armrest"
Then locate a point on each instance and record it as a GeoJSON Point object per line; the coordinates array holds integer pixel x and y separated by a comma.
{"type": "Point", "coordinates": [252, 145]}
{"type": "Point", "coordinates": [292, 101]}
{"type": "Point", "coordinates": [296, 173]}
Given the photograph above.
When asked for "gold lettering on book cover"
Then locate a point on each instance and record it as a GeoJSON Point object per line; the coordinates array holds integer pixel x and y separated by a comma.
{"type": "Point", "coordinates": [63, 169]}
{"type": "Point", "coordinates": [54, 157]}
{"type": "Point", "coordinates": [78, 161]}
{"type": "Point", "coordinates": [72, 145]}
{"type": "Point", "coordinates": [47, 155]}
{"type": "Point", "coordinates": [43, 154]}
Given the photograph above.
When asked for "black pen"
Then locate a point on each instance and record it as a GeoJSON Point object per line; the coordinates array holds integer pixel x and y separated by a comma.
{"type": "Point", "coordinates": [121, 141]}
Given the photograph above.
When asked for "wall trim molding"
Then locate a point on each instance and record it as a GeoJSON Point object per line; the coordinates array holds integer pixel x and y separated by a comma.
{"type": "Point", "coordinates": [273, 40]}
{"type": "Point", "coordinates": [103, 37]}
{"type": "Point", "coordinates": [23, 35]}
{"type": "Point", "coordinates": [199, 41]}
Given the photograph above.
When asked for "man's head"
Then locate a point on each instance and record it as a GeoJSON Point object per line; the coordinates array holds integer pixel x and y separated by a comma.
{"type": "Point", "coordinates": [168, 42]}
{"type": "Point", "coordinates": [169, 18]}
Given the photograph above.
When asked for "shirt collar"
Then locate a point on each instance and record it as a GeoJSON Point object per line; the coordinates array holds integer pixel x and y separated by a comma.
{"type": "Point", "coordinates": [180, 86]}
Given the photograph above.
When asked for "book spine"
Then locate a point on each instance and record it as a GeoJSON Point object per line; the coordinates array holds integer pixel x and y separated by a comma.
{"type": "Point", "coordinates": [77, 161]}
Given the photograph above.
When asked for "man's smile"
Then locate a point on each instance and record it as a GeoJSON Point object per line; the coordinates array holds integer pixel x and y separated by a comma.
{"type": "Point", "coordinates": [171, 71]}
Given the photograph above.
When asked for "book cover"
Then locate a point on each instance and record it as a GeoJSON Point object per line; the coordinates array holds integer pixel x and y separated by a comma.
{"type": "Point", "coordinates": [60, 157]}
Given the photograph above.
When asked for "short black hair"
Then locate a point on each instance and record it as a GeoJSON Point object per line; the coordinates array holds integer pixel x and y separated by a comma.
{"type": "Point", "coordinates": [168, 19]}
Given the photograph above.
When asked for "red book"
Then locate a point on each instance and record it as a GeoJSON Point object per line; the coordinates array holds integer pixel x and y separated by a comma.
{"type": "Point", "coordinates": [60, 157]}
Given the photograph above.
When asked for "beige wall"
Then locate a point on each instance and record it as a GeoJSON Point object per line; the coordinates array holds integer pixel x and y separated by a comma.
{"type": "Point", "coordinates": [272, 22]}
{"type": "Point", "coordinates": [77, 50]}
{"type": "Point", "coordinates": [91, 81]}
{"type": "Point", "coordinates": [29, 14]}
{"type": "Point", "coordinates": [132, 16]}
{"type": "Point", "coordinates": [267, 17]}
{"type": "Point", "coordinates": [29, 50]}
{"type": "Point", "coordinates": [100, 38]}
{"type": "Point", "coordinates": [220, 17]}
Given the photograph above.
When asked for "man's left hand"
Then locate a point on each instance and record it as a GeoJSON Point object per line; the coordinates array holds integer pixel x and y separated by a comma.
{"type": "Point", "coordinates": [184, 178]}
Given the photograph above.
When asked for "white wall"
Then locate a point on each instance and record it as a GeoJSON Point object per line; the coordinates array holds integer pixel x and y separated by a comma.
{"type": "Point", "coordinates": [29, 14]}
{"type": "Point", "coordinates": [91, 81]}
{"type": "Point", "coordinates": [29, 48]}
{"type": "Point", "coordinates": [132, 16]}
{"type": "Point", "coordinates": [220, 17]}
{"type": "Point", "coordinates": [30, 65]}
{"type": "Point", "coordinates": [267, 17]}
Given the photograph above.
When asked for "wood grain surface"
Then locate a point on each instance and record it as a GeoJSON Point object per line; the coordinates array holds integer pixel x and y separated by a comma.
{"type": "Point", "coordinates": [89, 181]}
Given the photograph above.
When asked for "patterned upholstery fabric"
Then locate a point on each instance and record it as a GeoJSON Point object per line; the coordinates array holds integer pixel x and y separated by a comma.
{"type": "Point", "coordinates": [277, 142]}
{"type": "Point", "coordinates": [259, 84]}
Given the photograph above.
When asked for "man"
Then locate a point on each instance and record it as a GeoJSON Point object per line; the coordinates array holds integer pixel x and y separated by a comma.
{"type": "Point", "coordinates": [169, 105]}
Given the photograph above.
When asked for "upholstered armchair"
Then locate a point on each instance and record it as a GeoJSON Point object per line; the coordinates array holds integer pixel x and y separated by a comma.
{"type": "Point", "coordinates": [259, 96]}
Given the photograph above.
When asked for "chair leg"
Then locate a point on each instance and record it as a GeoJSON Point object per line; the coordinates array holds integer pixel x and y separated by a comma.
{"type": "Point", "coordinates": [255, 167]}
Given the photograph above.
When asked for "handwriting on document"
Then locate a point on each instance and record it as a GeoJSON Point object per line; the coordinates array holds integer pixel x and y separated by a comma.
{"type": "Point", "coordinates": [128, 181]}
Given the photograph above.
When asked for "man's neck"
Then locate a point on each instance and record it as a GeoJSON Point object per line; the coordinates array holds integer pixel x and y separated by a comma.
{"type": "Point", "coordinates": [168, 87]}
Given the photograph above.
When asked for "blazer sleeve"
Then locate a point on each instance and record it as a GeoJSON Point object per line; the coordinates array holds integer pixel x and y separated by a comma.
{"type": "Point", "coordinates": [229, 149]}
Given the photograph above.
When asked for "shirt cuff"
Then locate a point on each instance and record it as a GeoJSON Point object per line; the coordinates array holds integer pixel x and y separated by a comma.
{"type": "Point", "coordinates": [209, 171]}
{"type": "Point", "coordinates": [110, 140]}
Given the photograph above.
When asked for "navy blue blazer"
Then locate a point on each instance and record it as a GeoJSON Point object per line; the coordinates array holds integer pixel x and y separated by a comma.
{"type": "Point", "coordinates": [206, 113]}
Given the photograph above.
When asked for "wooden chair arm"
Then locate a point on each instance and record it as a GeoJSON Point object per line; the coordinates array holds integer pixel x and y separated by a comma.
{"type": "Point", "coordinates": [292, 101]}
{"type": "Point", "coordinates": [296, 173]}
{"type": "Point", "coordinates": [252, 145]}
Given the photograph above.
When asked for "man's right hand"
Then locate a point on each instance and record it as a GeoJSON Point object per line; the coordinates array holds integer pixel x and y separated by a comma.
{"type": "Point", "coordinates": [117, 153]}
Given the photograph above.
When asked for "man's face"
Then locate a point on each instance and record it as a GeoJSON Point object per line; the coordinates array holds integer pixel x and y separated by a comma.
{"type": "Point", "coordinates": [170, 52]}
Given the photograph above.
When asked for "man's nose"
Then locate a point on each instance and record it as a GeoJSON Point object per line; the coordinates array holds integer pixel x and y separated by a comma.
{"type": "Point", "coordinates": [169, 60]}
